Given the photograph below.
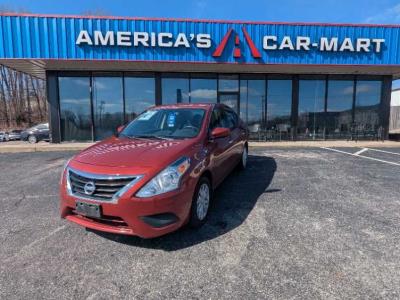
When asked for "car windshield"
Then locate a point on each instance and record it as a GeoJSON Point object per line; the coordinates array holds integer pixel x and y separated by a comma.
{"type": "Point", "coordinates": [166, 124]}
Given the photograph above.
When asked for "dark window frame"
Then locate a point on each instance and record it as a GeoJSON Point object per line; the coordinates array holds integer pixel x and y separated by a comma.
{"type": "Point", "coordinates": [215, 75]}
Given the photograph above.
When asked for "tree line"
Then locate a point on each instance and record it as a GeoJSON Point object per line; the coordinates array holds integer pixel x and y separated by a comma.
{"type": "Point", "coordinates": [22, 99]}
{"type": "Point", "coordinates": [22, 96]}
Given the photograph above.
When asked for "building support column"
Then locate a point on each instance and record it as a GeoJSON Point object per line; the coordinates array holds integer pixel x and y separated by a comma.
{"type": "Point", "coordinates": [53, 106]}
{"type": "Point", "coordinates": [295, 107]}
{"type": "Point", "coordinates": [384, 112]}
{"type": "Point", "coordinates": [158, 88]}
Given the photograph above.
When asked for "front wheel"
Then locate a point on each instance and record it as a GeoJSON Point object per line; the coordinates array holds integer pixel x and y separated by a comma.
{"type": "Point", "coordinates": [32, 139]}
{"type": "Point", "coordinates": [200, 203]}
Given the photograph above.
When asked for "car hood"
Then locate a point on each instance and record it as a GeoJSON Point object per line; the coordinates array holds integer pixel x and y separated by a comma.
{"type": "Point", "coordinates": [126, 152]}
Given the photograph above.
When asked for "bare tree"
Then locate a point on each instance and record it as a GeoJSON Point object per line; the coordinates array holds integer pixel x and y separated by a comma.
{"type": "Point", "coordinates": [22, 99]}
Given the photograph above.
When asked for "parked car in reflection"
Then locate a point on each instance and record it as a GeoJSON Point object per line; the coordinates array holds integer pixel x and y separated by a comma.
{"type": "Point", "coordinates": [14, 135]}
{"type": "Point", "coordinates": [3, 136]}
{"type": "Point", "coordinates": [36, 133]}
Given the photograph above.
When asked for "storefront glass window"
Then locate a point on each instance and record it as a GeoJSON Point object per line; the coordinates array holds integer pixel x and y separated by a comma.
{"type": "Point", "coordinates": [175, 90]}
{"type": "Point", "coordinates": [75, 111]}
{"type": "Point", "coordinates": [228, 83]}
{"type": "Point", "coordinates": [339, 110]}
{"type": "Point", "coordinates": [139, 95]}
{"type": "Point", "coordinates": [252, 105]}
{"type": "Point", "coordinates": [368, 98]}
{"type": "Point", "coordinates": [311, 109]}
{"type": "Point", "coordinates": [203, 90]}
{"type": "Point", "coordinates": [279, 108]}
{"type": "Point", "coordinates": [107, 105]}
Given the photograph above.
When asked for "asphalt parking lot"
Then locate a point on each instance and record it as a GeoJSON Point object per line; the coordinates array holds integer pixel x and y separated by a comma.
{"type": "Point", "coordinates": [302, 223]}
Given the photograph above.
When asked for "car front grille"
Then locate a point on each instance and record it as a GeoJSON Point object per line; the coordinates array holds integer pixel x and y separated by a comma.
{"type": "Point", "coordinates": [103, 187]}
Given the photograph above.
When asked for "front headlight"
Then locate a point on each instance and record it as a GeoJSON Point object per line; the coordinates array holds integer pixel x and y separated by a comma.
{"type": "Point", "coordinates": [63, 169]}
{"type": "Point", "coordinates": [167, 180]}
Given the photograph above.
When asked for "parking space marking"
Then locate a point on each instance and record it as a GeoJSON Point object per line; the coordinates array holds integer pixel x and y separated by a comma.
{"type": "Point", "coordinates": [366, 157]}
{"type": "Point", "coordinates": [25, 249]}
{"type": "Point", "coordinates": [384, 151]}
{"type": "Point", "coordinates": [361, 151]}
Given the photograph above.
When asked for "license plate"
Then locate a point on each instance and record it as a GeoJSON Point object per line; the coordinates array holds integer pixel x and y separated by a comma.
{"type": "Point", "coordinates": [88, 209]}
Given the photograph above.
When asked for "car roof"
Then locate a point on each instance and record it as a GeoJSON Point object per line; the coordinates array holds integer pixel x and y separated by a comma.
{"type": "Point", "coordinates": [184, 105]}
{"type": "Point", "coordinates": [189, 105]}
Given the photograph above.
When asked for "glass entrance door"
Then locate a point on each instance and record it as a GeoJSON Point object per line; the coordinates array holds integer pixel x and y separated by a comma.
{"type": "Point", "coordinates": [107, 105]}
{"type": "Point", "coordinates": [230, 99]}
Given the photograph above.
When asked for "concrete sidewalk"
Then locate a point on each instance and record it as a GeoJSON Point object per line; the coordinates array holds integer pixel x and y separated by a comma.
{"type": "Point", "coordinates": [18, 146]}
{"type": "Point", "coordinates": [302, 144]}
{"type": "Point", "coordinates": [7, 147]}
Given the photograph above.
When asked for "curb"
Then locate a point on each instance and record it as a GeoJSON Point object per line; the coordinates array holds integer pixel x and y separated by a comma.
{"type": "Point", "coordinates": [23, 148]}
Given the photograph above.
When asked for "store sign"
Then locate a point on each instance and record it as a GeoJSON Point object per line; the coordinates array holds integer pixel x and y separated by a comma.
{"type": "Point", "coordinates": [145, 39]}
{"type": "Point", "coordinates": [204, 41]}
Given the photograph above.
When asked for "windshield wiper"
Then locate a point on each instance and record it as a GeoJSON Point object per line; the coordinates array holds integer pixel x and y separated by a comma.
{"type": "Point", "coordinates": [162, 137]}
{"type": "Point", "coordinates": [150, 137]}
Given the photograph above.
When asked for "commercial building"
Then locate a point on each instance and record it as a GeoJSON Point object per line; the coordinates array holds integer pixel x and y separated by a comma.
{"type": "Point", "coordinates": [394, 121]}
{"type": "Point", "coordinates": [287, 81]}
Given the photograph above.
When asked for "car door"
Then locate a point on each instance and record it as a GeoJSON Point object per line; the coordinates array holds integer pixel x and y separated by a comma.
{"type": "Point", "coordinates": [42, 132]}
{"type": "Point", "coordinates": [234, 151]}
{"type": "Point", "coordinates": [218, 147]}
{"type": "Point", "coordinates": [46, 132]}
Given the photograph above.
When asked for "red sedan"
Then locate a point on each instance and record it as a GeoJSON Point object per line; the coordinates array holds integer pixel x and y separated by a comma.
{"type": "Point", "coordinates": [158, 173]}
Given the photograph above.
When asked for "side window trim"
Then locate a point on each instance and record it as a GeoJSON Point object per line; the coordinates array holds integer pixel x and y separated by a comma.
{"type": "Point", "coordinates": [230, 112]}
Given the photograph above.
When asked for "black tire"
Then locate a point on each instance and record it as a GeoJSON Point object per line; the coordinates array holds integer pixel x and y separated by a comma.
{"type": "Point", "coordinates": [243, 159]}
{"type": "Point", "coordinates": [197, 220]}
{"type": "Point", "coordinates": [32, 139]}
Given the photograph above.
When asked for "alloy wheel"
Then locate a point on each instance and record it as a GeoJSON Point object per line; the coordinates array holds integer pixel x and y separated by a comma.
{"type": "Point", "coordinates": [32, 139]}
{"type": "Point", "coordinates": [244, 157]}
{"type": "Point", "coordinates": [203, 201]}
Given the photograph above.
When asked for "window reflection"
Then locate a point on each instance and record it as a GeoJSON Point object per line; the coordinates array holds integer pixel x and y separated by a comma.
{"type": "Point", "coordinates": [175, 90]}
{"type": "Point", "coordinates": [139, 95]}
{"type": "Point", "coordinates": [311, 109]}
{"type": "Point", "coordinates": [252, 105]}
{"type": "Point", "coordinates": [368, 98]}
{"type": "Point", "coordinates": [75, 110]}
{"type": "Point", "coordinates": [279, 107]}
{"type": "Point", "coordinates": [228, 83]}
{"type": "Point", "coordinates": [339, 109]}
{"type": "Point", "coordinates": [230, 99]}
{"type": "Point", "coordinates": [203, 90]}
{"type": "Point", "coordinates": [107, 105]}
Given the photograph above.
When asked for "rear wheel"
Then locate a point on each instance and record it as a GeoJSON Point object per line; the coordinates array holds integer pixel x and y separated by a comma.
{"type": "Point", "coordinates": [32, 139]}
{"type": "Point", "coordinates": [200, 202]}
{"type": "Point", "coordinates": [243, 161]}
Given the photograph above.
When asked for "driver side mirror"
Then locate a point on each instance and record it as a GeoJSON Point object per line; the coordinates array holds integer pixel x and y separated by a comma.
{"type": "Point", "coordinates": [220, 132]}
{"type": "Point", "coordinates": [120, 128]}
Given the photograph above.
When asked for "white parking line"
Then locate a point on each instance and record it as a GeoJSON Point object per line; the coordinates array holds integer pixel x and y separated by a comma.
{"type": "Point", "coordinates": [384, 151]}
{"type": "Point", "coordinates": [366, 157]}
{"type": "Point", "coordinates": [361, 151]}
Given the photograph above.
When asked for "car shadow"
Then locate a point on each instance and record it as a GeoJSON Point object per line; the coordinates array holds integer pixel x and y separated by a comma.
{"type": "Point", "coordinates": [233, 201]}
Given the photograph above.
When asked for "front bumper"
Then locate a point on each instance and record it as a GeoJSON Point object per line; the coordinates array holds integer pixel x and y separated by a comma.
{"type": "Point", "coordinates": [143, 217]}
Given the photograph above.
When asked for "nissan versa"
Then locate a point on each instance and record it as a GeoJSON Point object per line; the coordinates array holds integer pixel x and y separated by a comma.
{"type": "Point", "coordinates": [157, 173]}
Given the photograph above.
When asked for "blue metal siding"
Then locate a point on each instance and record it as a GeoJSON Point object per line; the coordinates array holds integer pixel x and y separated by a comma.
{"type": "Point", "coordinates": [54, 38]}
